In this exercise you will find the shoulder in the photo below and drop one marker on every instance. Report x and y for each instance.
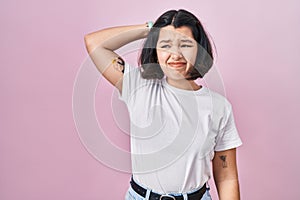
(219, 102)
(219, 98)
(133, 78)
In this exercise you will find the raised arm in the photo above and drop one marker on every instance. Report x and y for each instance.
(225, 175)
(102, 44)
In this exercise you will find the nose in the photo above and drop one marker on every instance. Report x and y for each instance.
(176, 53)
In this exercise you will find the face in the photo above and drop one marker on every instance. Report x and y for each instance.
(176, 51)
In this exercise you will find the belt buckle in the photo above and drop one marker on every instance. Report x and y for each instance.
(167, 196)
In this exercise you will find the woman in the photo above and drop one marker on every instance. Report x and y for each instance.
(177, 126)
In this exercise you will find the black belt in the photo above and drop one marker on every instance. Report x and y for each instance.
(154, 196)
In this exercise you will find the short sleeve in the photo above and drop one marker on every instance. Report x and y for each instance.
(228, 136)
(131, 80)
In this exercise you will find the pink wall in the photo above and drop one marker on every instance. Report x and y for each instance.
(42, 50)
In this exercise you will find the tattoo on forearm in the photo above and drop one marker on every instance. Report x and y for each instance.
(224, 163)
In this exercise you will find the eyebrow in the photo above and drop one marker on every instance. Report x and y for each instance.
(165, 41)
(188, 41)
(169, 41)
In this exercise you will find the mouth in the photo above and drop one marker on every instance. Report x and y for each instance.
(177, 64)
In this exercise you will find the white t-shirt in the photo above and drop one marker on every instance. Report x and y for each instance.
(174, 132)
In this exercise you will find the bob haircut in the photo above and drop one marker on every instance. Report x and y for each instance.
(150, 69)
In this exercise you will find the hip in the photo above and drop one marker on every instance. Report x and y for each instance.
(134, 194)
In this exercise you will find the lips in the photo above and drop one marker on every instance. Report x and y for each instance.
(177, 64)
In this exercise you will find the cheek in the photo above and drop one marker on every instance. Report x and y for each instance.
(190, 55)
(189, 67)
(162, 56)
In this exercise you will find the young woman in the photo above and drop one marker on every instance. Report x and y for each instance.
(177, 126)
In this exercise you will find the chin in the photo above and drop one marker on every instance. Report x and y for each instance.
(175, 76)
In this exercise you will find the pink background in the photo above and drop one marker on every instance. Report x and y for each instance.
(42, 49)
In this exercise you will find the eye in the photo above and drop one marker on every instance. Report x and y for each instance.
(186, 45)
(166, 46)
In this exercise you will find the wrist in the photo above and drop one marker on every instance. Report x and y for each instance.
(145, 28)
(149, 24)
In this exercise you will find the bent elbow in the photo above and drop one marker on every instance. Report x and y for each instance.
(87, 41)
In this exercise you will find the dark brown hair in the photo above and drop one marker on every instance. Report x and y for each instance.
(148, 60)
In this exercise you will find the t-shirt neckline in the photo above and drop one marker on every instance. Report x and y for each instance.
(201, 90)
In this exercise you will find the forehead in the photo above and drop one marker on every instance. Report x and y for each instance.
(169, 32)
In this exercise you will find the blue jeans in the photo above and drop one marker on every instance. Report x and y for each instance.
(132, 195)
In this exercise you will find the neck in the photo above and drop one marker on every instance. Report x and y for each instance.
(184, 84)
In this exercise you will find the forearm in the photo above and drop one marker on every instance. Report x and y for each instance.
(226, 175)
(101, 46)
(115, 37)
(228, 189)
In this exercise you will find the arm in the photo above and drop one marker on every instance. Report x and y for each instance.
(102, 44)
(225, 175)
